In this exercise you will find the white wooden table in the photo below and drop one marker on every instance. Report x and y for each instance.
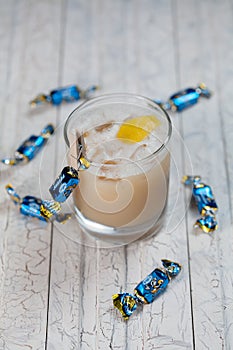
(55, 293)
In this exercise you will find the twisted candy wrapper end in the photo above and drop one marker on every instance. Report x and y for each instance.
(191, 180)
(126, 303)
(204, 91)
(147, 290)
(172, 268)
(39, 99)
(208, 223)
(19, 159)
(84, 94)
(49, 208)
(50, 211)
(62, 218)
(13, 194)
(47, 131)
(83, 163)
(11, 161)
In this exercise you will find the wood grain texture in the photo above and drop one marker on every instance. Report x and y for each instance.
(25, 243)
(223, 57)
(199, 61)
(163, 321)
(55, 291)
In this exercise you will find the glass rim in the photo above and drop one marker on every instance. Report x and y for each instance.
(152, 104)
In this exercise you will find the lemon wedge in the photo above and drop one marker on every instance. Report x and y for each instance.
(138, 128)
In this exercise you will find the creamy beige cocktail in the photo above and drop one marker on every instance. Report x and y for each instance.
(124, 192)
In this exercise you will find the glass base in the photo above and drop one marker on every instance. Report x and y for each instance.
(120, 235)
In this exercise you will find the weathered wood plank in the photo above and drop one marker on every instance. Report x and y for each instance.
(73, 295)
(202, 127)
(167, 323)
(111, 330)
(25, 243)
(223, 54)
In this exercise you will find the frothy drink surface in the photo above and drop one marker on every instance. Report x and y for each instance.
(124, 186)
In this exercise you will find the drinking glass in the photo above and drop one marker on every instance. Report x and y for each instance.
(122, 196)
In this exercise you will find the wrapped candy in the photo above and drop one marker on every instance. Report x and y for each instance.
(68, 179)
(64, 184)
(185, 98)
(69, 93)
(37, 208)
(205, 201)
(147, 290)
(30, 147)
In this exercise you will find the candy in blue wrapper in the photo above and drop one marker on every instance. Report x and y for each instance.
(154, 284)
(185, 98)
(147, 290)
(30, 147)
(30, 206)
(64, 94)
(64, 184)
(204, 198)
(205, 202)
(37, 208)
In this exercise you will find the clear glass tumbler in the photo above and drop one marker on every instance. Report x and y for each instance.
(123, 195)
